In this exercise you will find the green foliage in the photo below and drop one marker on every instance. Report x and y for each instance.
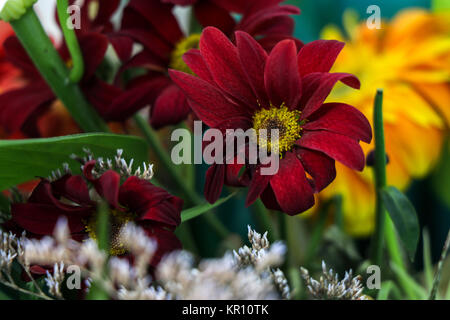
(196, 211)
(404, 216)
(24, 160)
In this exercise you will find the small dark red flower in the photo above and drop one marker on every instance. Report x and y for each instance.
(136, 199)
(152, 24)
(241, 87)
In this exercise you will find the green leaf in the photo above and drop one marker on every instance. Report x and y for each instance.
(404, 216)
(24, 160)
(194, 212)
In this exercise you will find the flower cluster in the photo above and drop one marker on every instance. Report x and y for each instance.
(175, 277)
(130, 197)
(329, 287)
(242, 87)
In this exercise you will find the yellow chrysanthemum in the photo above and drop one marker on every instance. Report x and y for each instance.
(410, 59)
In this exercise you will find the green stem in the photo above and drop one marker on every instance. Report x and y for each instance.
(437, 277)
(264, 220)
(380, 181)
(71, 40)
(384, 228)
(52, 68)
(291, 236)
(191, 196)
(317, 234)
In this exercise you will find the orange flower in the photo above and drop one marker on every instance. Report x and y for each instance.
(410, 59)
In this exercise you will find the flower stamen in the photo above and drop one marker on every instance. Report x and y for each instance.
(176, 60)
(279, 118)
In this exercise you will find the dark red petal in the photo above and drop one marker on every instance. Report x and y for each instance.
(16, 54)
(105, 11)
(18, 105)
(93, 46)
(259, 20)
(151, 41)
(45, 193)
(215, 177)
(133, 99)
(257, 185)
(160, 16)
(283, 25)
(180, 2)
(73, 188)
(270, 41)
(209, 14)
(339, 147)
(318, 56)
(195, 62)
(170, 108)
(238, 6)
(41, 219)
(281, 76)
(317, 86)
(258, 5)
(341, 118)
(101, 95)
(107, 187)
(145, 59)
(253, 61)
(291, 187)
(122, 45)
(269, 199)
(222, 59)
(232, 175)
(150, 202)
(166, 242)
(319, 166)
(210, 104)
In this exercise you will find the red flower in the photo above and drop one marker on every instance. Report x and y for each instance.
(138, 200)
(21, 108)
(243, 87)
(151, 23)
(9, 76)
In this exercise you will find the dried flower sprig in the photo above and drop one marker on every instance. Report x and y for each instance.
(177, 275)
(329, 287)
(119, 164)
(262, 256)
(12, 250)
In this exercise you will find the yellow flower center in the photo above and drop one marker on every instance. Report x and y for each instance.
(176, 60)
(118, 220)
(287, 122)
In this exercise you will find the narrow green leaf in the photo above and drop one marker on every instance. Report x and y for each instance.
(404, 216)
(103, 227)
(385, 290)
(196, 211)
(24, 160)
(96, 292)
(417, 291)
(427, 260)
